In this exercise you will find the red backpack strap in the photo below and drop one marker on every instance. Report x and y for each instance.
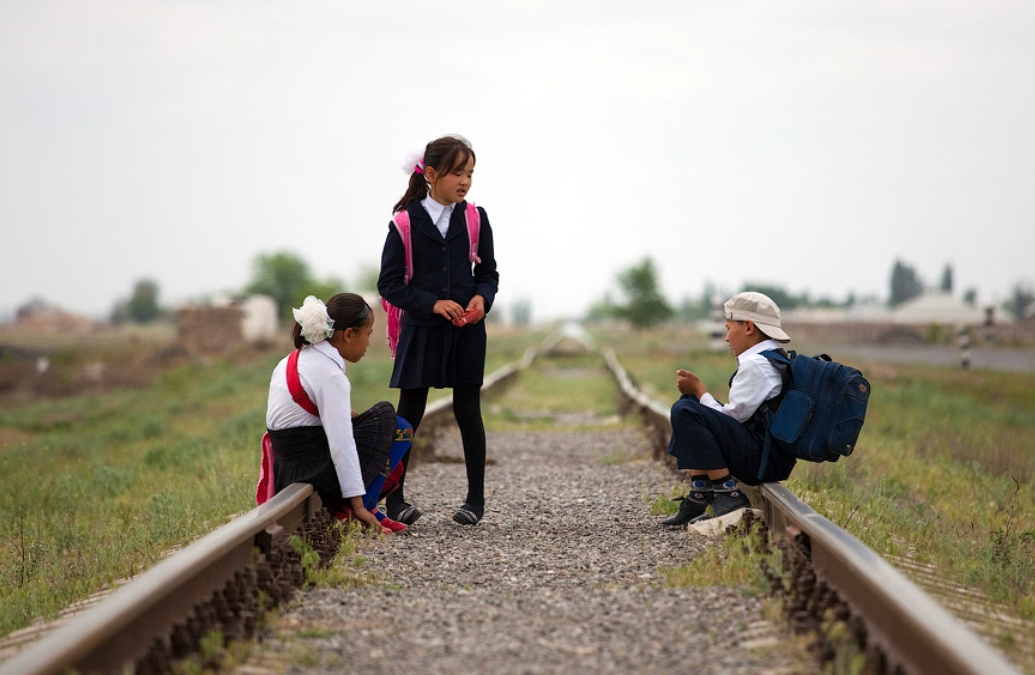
(295, 386)
(474, 228)
(402, 224)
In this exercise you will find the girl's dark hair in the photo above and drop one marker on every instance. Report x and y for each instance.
(347, 310)
(444, 154)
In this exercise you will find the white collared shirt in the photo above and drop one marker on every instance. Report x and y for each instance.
(321, 370)
(440, 213)
(756, 381)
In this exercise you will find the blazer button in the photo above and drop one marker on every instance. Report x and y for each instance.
(445, 269)
(445, 248)
(445, 289)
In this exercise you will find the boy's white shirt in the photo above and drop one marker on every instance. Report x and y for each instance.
(757, 380)
(321, 370)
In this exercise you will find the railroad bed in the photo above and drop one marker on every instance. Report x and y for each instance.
(566, 571)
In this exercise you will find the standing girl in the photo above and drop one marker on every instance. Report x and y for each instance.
(351, 459)
(443, 287)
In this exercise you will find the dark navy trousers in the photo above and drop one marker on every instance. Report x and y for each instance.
(704, 438)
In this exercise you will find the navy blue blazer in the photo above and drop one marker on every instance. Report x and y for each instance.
(441, 268)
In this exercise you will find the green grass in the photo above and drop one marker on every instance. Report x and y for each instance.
(942, 472)
(739, 561)
(95, 488)
(107, 482)
(556, 395)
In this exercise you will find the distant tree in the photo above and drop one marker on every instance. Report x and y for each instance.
(1021, 302)
(946, 284)
(783, 299)
(692, 310)
(521, 312)
(645, 306)
(905, 284)
(603, 309)
(286, 278)
(711, 298)
(366, 280)
(706, 306)
(143, 304)
(970, 297)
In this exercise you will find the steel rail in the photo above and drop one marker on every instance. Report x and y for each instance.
(915, 634)
(911, 632)
(439, 413)
(907, 624)
(112, 635)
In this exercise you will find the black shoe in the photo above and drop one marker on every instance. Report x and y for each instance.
(467, 515)
(727, 499)
(689, 509)
(404, 513)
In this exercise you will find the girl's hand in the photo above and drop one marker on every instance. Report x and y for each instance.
(477, 302)
(449, 309)
(360, 513)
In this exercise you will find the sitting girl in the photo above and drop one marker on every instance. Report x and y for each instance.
(352, 460)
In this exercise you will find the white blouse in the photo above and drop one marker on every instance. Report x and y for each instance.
(321, 370)
(437, 211)
(756, 381)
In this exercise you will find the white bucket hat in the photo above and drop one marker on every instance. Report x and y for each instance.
(758, 308)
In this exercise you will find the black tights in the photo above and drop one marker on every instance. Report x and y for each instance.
(467, 409)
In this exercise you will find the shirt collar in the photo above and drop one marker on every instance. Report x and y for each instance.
(325, 348)
(435, 209)
(758, 349)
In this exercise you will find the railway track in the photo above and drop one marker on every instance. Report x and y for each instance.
(222, 584)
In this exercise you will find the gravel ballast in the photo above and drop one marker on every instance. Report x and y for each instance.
(562, 575)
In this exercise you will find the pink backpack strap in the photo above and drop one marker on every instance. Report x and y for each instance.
(295, 386)
(266, 486)
(474, 228)
(393, 324)
(402, 224)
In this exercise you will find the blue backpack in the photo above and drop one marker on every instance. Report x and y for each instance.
(820, 411)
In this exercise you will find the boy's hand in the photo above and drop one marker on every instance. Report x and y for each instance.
(688, 383)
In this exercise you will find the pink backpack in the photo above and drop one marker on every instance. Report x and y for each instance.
(266, 487)
(402, 224)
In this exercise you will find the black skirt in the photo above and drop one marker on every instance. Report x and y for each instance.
(439, 356)
(303, 455)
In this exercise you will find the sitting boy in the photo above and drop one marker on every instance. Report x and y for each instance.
(717, 442)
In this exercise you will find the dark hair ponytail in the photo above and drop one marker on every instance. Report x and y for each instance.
(347, 310)
(444, 155)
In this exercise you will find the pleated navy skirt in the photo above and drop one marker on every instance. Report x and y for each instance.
(441, 356)
(303, 455)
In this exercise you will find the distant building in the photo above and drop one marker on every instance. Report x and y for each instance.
(940, 308)
(40, 315)
(227, 323)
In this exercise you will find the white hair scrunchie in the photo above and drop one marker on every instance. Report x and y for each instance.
(312, 316)
(414, 161)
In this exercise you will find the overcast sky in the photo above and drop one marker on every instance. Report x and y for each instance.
(802, 143)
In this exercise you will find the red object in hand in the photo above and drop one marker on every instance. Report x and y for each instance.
(470, 316)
